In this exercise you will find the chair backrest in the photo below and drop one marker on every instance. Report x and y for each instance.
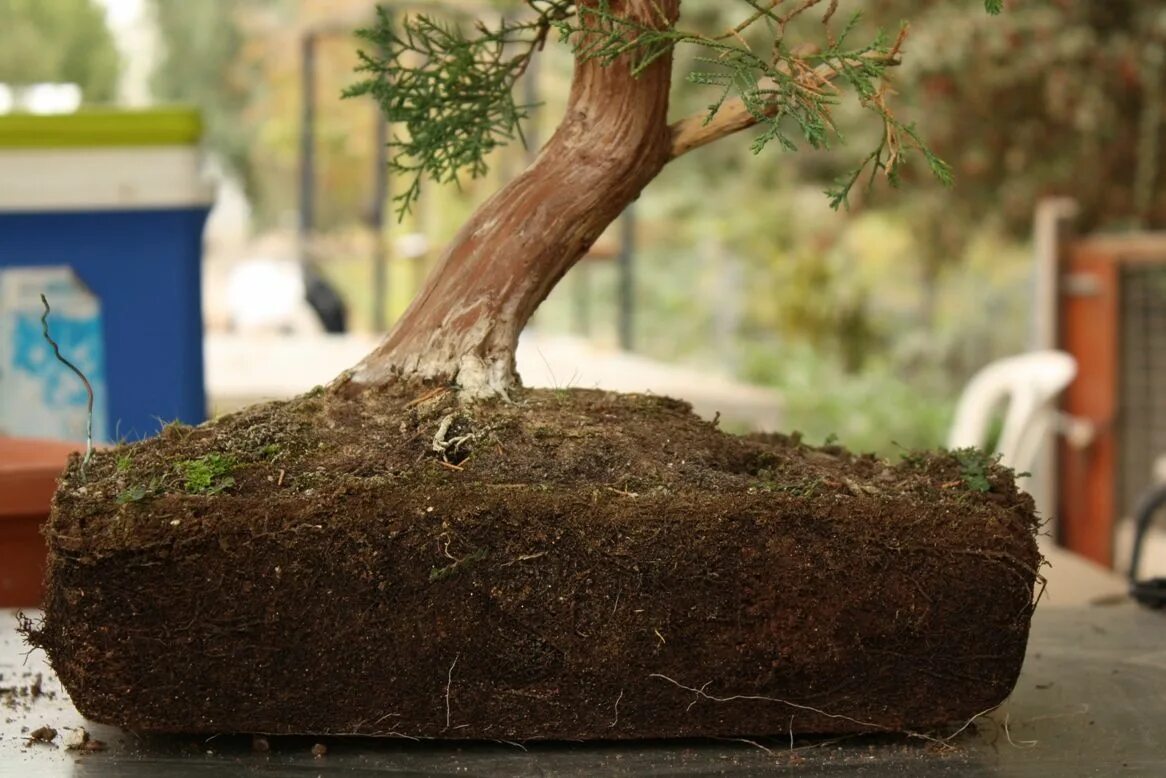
(1029, 383)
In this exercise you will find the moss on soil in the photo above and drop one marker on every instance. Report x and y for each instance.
(574, 440)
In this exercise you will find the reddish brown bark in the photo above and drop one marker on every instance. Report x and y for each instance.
(613, 140)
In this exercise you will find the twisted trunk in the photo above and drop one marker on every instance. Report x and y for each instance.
(464, 325)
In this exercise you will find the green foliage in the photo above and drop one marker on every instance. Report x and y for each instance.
(994, 6)
(452, 89)
(911, 458)
(62, 41)
(209, 474)
(867, 410)
(781, 86)
(975, 467)
(451, 84)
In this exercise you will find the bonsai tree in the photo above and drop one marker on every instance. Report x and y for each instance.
(387, 557)
(452, 90)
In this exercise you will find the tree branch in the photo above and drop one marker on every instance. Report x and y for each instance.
(698, 129)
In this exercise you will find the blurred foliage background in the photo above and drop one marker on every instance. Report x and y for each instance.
(58, 41)
(868, 321)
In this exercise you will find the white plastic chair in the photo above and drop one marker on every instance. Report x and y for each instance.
(1029, 382)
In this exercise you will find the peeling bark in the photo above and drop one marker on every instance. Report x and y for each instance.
(463, 327)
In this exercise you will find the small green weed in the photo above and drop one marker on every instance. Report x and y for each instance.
(139, 492)
(771, 481)
(208, 474)
(135, 493)
(124, 462)
(910, 458)
(974, 468)
(173, 430)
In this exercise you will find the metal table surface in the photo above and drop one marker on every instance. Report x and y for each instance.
(1091, 701)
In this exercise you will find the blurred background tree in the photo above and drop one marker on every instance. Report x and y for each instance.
(239, 62)
(204, 62)
(58, 41)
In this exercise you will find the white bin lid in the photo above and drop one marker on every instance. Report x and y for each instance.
(102, 160)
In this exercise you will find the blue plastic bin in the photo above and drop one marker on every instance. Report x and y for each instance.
(118, 197)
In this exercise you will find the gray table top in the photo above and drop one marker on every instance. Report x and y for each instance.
(1091, 701)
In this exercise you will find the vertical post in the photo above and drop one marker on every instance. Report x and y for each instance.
(1052, 229)
(627, 280)
(581, 297)
(380, 257)
(1149, 133)
(307, 142)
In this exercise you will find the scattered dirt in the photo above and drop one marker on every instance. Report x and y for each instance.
(573, 564)
(20, 696)
(43, 734)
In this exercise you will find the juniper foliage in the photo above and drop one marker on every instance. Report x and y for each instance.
(448, 84)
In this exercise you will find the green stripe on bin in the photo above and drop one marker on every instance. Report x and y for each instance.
(95, 128)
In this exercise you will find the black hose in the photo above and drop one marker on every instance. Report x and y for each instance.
(1150, 592)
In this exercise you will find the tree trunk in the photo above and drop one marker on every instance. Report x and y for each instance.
(464, 325)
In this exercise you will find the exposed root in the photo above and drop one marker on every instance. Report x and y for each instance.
(969, 723)
(523, 558)
(874, 727)
(1008, 735)
(365, 733)
(439, 441)
(44, 323)
(702, 694)
(386, 716)
(432, 394)
(452, 449)
(1006, 561)
(1044, 582)
(615, 710)
(448, 684)
(748, 742)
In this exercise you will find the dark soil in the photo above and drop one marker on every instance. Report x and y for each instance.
(571, 565)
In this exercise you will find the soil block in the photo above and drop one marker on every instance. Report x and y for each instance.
(566, 565)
